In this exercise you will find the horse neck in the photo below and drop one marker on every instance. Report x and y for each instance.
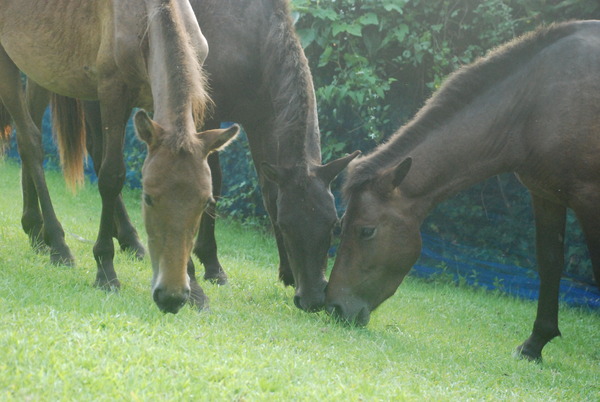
(479, 141)
(175, 54)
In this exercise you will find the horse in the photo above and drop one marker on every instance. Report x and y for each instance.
(144, 53)
(531, 107)
(259, 77)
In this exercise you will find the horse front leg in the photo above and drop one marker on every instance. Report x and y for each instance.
(550, 220)
(270, 190)
(111, 177)
(205, 247)
(123, 231)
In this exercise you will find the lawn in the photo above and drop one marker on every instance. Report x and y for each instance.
(62, 339)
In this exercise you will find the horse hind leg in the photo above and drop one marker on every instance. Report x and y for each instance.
(32, 220)
(550, 220)
(30, 149)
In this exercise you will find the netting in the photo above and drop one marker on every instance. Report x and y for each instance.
(440, 257)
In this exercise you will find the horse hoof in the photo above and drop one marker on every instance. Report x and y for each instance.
(63, 260)
(521, 354)
(287, 279)
(218, 279)
(137, 250)
(112, 285)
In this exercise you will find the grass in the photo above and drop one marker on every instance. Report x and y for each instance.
(62, 339)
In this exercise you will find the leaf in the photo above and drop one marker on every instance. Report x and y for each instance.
(307, 36)
(389, 6)
(401, 31)
(325, 56)
(369, 19)
(352, 29)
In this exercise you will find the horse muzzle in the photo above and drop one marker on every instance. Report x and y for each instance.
(169, 301)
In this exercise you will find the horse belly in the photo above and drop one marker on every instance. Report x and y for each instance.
(58, 50)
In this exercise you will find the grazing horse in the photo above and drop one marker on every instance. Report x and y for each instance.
(531, 107)
(259, 77)
(145, 53)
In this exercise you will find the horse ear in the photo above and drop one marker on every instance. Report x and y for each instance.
(400, 171)
(330, 171)
(215, 140)
(145, 128)
(274, 173)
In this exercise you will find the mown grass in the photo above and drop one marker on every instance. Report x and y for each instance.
(62, 339)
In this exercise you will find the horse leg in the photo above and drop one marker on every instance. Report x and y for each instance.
(111, 177)
(590, 223)
(32, 156)
(550, 220)
(263, 150)
(124, 231)
(205, 247)
(32, 220)
(269, 191)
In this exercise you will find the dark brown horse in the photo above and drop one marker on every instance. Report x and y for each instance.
(259, 77)
(531, 107)
(145, 53)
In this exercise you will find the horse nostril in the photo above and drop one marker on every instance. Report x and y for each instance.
(170, 302)
(335, 310)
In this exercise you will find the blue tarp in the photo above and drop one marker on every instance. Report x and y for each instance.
(519, 281)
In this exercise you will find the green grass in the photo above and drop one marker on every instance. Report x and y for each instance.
(62, 339)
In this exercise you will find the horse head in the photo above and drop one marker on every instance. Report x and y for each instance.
(176, 189)
(380, 242)
(305, 219)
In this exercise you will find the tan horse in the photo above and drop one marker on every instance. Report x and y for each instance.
(532, 107)
(144, 53)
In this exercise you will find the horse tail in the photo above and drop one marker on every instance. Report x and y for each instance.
(5, 127)
(68, 124)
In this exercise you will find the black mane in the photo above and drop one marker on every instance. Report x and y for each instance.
(289, 82)
(460, 89)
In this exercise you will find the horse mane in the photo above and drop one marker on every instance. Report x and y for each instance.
(288, 80)
(458, 91)
(188, 78)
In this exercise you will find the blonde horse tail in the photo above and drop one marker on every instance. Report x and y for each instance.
(5, 127)
(68, 124)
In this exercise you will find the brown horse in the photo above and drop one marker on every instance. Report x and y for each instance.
(259, 77)
(531, 107)
(145, 53)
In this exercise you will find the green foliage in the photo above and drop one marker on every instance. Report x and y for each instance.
(61, 339)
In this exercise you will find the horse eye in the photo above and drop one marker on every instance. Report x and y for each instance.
(147, 199)
(367, 233)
